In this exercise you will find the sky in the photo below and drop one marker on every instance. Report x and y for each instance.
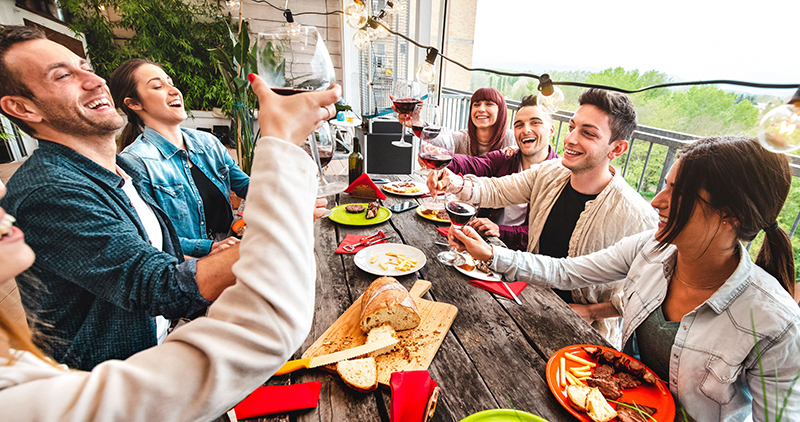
(754, 41)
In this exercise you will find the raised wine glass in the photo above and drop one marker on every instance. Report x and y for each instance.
(293, 59)
(405, 97)
(461, 212)
(436, 150)
(426, 114)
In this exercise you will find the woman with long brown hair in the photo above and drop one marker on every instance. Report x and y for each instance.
(487, 129)
(693, 300)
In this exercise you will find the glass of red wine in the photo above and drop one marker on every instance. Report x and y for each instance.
(461, 209)
(405, 97)
(293, 59)
(436, 150)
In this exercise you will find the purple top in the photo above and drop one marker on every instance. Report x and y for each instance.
(498, 164)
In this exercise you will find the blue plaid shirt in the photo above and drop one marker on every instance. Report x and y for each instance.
(97, 282)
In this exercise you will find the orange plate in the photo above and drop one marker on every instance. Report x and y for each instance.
(657, 396)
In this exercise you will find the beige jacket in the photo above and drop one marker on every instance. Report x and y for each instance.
(209, 365)
(617, 212)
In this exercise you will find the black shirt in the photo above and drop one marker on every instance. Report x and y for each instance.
(219, 215)
(557, 230)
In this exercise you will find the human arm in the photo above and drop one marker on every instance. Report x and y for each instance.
(515, 237)
(491, 192)
(319, 208)
(595, 311)
(195, 247)
(239, 179)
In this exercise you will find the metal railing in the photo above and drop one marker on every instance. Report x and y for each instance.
(455, 111)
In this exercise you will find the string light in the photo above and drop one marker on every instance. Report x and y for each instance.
(361, 40)
(426, 73)
(384, 21)
(356, 14)
(778, 131)
(232, 3)
(550, 96)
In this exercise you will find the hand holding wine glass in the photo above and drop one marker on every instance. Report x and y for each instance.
(436, 150)
(405, 97)
(461, 210)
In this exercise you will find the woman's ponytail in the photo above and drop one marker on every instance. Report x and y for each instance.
(776, 257)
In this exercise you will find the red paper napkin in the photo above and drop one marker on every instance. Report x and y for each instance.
(443, 231)
(411, 392)
(352, 239)
(276, 399)
(498, 288)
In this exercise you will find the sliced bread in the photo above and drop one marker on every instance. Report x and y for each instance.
(387, 301)
(598, 408)
(359, 374)
(379, 332)
(469, 265)
(577, 396)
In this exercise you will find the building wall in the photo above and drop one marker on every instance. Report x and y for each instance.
(460, 36)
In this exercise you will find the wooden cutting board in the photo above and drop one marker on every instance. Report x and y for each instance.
(416, 349)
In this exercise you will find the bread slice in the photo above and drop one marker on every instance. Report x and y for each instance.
(387, 301)
(598, 408)
(359, 374)
(577, 396)
(379, 332)
(469, 265)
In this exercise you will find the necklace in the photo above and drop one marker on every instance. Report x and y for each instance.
(692, 286)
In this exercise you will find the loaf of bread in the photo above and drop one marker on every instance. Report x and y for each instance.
(598, 408)
(379, 332)
(578, 395)
(359, 374)
(387, 302)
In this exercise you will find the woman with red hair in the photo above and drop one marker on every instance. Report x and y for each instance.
(487, 129)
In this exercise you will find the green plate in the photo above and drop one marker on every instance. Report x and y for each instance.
(502, 415)
(340, 215)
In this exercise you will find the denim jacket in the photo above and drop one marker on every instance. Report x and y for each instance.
(97, 282)
(714, 370)
(173, 186)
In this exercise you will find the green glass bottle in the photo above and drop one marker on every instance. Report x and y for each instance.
(355, 161)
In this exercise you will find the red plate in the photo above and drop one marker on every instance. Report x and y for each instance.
(657, 396)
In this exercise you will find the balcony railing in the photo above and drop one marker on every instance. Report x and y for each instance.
(652, 149)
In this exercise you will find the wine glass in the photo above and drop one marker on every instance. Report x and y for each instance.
(436, 150)
(461, 212)
(292, 59)
(426, 114)
(405, 99)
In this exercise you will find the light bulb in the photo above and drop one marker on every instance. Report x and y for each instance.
(551, 103)
(356, 15)
(361, 39)
(383, 23)
(426, 73)
(232, 3)
(293, 29)
(389, 8)
(779, 130)
(372, 33)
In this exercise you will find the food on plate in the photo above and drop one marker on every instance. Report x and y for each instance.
(628, 412)
(400, 261)
(469, 265)
(372, 209)
(359, 374)
(439, 215)
(379, 332)
(483, 266)
(627, 380)
(609, 387)
(442, 215)
(598, 408)
(354, 208)
(402, 187)
(387, 301)
(578, 396)
(621, 364)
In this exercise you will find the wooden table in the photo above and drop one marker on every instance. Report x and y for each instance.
(493, 357)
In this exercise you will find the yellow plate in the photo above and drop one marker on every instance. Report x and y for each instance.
(431, 217)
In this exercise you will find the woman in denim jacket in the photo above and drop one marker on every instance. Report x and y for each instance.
(692, 296)
(191, 172)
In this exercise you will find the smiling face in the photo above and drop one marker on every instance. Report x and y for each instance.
(159, 101)
(68, 98)
(533, 129)
(484, 114)
(586, 146)
(15, 255)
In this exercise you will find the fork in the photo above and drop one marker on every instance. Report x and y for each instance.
(367, 241)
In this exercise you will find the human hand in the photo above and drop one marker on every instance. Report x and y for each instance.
(223, 244)
(292, 118)
(406, 119)
(509, 151)
(438, 180)
(468, 239)
(485, 227)
(319, 208)
(583, 311)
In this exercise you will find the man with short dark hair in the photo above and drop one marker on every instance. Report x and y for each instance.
(533, 128)
(107, 258)
(579, 204)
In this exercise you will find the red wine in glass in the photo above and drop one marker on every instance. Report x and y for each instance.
(418, 130)
(325, 158)
(290, 91)
(405, 105)
(435, 161)
(460, 213)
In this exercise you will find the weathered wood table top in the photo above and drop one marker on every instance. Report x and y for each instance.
(493, 357)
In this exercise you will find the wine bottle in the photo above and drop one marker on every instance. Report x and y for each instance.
(355, 161)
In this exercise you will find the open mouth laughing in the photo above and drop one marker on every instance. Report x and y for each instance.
(571, 153)
(9, 233)
(176, 103)
(98, 104)
(530, 140)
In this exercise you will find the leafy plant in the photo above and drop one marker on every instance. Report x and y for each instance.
(234, 69)
(778, 411)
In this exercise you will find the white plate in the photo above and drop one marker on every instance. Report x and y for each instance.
(480, 275)
(423, 189)
(363, 257)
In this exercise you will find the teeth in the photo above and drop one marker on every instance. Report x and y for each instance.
(5, 224)
(97, 103)
(662, 219)
(175, 103)
(526, 140)
(571, 152)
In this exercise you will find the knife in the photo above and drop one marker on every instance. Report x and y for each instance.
(384, 344)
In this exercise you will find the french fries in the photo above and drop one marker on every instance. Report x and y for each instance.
(400, 261)
(580, 360)
(577, 374)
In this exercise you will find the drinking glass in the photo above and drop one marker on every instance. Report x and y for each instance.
(436, 150)
(461, 212)
(293, 59)
(405, 97)
(425, 115)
